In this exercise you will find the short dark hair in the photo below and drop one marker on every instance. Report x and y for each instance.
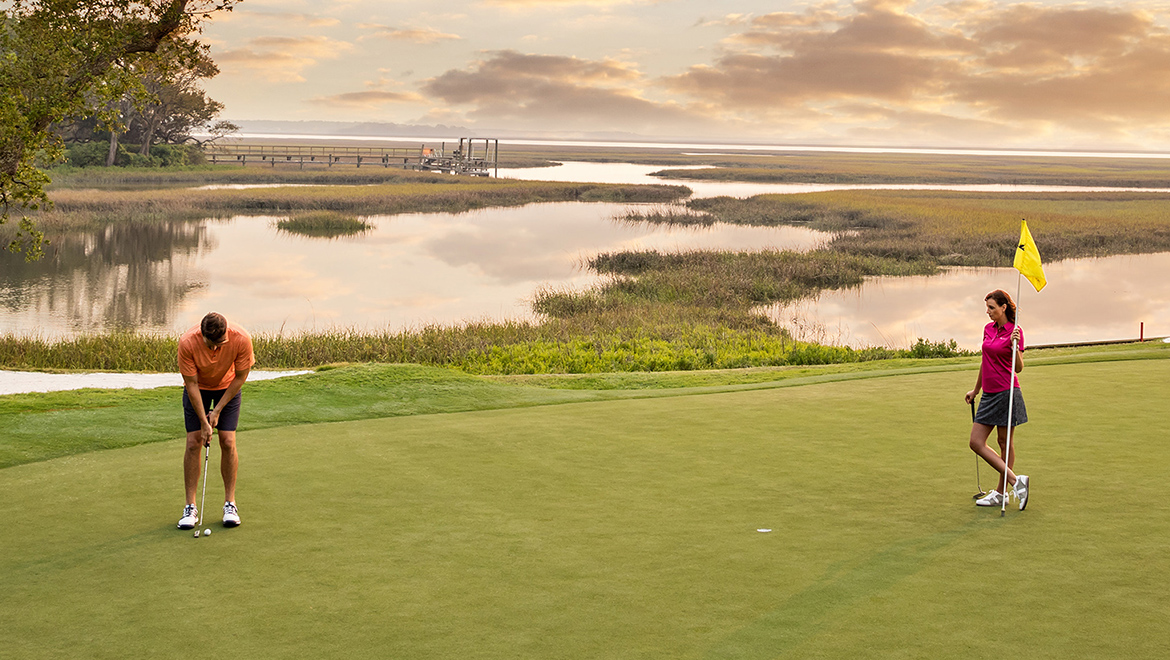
(213, 327)
(1002, 298)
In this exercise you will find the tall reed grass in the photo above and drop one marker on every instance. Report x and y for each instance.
(479, 348)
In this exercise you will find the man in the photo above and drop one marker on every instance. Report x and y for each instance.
(215, 358)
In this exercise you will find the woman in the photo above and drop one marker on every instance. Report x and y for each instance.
(998, 383)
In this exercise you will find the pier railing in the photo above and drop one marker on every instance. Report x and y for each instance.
(473, 156)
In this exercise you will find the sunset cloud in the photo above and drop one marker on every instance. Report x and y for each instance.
(566, 91)
(279, 59)
(367, 99)
(1088, 69)
(893, 71)
(279, 17)
(415, 35)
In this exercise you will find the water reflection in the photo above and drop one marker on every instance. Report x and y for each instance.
(1085, 300)
(408, 270)
(124, 276)
(632, 173)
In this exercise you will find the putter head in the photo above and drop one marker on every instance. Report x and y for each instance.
(978, 495)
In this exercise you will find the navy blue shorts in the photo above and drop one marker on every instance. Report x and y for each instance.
(229, 418)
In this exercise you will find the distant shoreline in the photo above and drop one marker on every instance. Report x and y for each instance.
(652, 144)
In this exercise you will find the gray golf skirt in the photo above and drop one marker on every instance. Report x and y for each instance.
(993, 409)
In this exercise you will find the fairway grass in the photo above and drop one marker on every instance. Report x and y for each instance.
(621, 529)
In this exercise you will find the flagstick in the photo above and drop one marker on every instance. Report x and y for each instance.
(1011, 399)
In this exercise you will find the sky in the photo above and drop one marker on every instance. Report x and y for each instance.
(964, 73)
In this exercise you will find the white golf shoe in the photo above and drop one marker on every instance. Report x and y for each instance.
(231, 517)
(190, 517)
(1021, 489)
(994, 498)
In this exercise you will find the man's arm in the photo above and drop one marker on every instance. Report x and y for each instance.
(191, 384)
(237, 382)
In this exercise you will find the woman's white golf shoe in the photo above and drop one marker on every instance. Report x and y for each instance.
(1021, 489)
(994, 498)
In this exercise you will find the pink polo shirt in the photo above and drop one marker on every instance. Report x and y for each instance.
(997, 357)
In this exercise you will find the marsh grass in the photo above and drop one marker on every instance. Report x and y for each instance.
(951, 228)
(819, 167)
(76, 208)
(323, 224)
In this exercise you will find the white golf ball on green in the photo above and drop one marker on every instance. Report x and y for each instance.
(207, 532)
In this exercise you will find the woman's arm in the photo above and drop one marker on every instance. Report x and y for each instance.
(1017, 339)
(978, 386)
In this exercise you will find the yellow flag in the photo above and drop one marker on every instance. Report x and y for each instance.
(1028, 258)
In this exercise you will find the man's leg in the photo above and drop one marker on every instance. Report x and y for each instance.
(229, 464)
(191, 465)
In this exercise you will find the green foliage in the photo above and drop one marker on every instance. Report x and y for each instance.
(93, 154)
(70, 58)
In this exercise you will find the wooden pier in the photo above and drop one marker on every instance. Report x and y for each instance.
(473, 156)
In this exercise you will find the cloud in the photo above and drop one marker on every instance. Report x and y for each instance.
(1018, 67)
(417, 35)
(555, 91)
(254, 17)
(367, 99)
(280, 59)
(536, 4)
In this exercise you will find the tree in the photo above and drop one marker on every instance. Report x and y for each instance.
(71, 58)
(176, 105)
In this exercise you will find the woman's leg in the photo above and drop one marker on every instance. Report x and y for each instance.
(979, 435)
(1001, 438)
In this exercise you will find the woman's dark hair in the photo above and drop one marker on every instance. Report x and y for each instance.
(1001, 298)
(213, 327)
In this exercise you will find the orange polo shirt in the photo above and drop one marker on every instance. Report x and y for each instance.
(215, 369)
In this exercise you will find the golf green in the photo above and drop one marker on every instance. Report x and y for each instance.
(621, 529)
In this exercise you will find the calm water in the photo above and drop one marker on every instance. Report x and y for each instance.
(419, 269)
(634, 173)
(410, 270)
(1085, 300)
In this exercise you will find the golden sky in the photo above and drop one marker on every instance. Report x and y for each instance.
(1084, 75)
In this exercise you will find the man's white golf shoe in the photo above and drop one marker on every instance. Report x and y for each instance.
(190, 517)
(231, 517)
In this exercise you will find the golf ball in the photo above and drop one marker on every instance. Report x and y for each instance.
(207, 532)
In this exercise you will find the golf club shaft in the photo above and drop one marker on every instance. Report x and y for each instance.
(206, 455)
(978, 479)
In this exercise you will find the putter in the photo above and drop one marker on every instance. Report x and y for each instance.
(978, 480)
(206, 455)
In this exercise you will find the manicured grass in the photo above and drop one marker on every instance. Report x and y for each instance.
(622, 528)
